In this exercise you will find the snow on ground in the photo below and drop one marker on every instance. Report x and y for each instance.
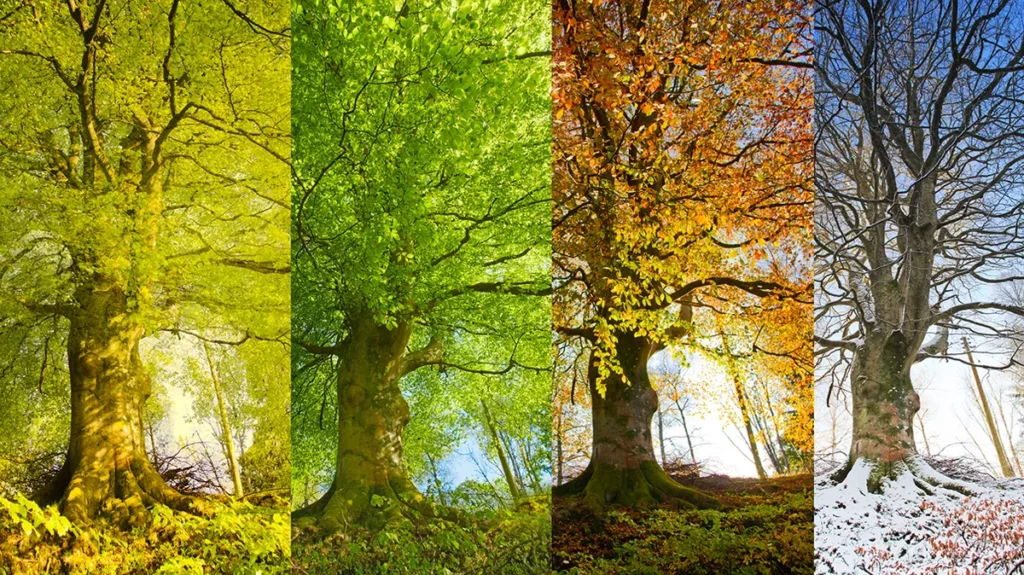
(907, 531)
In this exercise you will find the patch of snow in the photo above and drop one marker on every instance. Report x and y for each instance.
(906, 530)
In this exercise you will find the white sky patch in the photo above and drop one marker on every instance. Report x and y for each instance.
(178, 426)
(720, 446)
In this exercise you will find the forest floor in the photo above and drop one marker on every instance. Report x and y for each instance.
(764, 527)
(230, 537)
(503, 542)
(905, 530)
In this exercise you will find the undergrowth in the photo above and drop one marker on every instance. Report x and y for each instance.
(234, 537)
(764, 528)
(505, 542)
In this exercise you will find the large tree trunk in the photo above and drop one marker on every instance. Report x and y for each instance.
(106, 467)
(622, 468)
(884, 402)
(884, 406)
(371, 486)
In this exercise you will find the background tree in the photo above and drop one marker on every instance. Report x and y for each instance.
(676, 404)
(570, 411)
(682, 148)
(769, 385)
(918, 182)
(142, 150)
(421, 233)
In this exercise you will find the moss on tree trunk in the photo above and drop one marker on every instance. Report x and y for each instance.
(884, 407)
(371, 486)
(622, 468)
(106, 469)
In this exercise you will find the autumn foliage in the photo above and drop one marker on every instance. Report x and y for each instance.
(682, 182)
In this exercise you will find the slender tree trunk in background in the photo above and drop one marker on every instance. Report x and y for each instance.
(623, 469)
(152, 442)
(436, 477)
(225, 426)
(783, 457)
(924, 438)
(107, 460)
(513, 486)
(741, 399)
(993, 430)
(751, 438)
(686, 430)
(510, 452)
(1009, 439)
(531, 470)
(661, 436)
(769, 446)
(559, 458)
(213, 468)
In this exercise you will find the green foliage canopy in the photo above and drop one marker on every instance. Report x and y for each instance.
(145, 143)
(421, 197)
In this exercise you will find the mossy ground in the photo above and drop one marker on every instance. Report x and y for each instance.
(505, 542)
(231, 537)
(763, 528)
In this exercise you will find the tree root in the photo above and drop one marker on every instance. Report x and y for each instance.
(135, 490)
(878, 476)
(395, 502)
(648, 484)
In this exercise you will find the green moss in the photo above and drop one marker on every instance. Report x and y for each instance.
(665, 484)
(767, 531)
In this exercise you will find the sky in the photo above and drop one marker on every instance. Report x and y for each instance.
(718, 444)
(179, 426)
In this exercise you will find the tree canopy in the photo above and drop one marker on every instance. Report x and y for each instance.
(421, 204)
(143, 152)
(682, 181)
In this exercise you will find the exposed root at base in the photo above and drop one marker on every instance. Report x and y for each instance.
(397, 501)
(133, 492)
(878, 477)
(648, 484)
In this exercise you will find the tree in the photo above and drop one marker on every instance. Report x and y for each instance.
(225, 425)
(421, 230)
(672, 387)
(570, 411)
(768, 369)
(682, 168)
(918, 154)
(143, 153)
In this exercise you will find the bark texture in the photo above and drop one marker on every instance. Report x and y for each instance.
(623, 469)
(106, 469)
(371, 486)
(884, 400)
(884, 406)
